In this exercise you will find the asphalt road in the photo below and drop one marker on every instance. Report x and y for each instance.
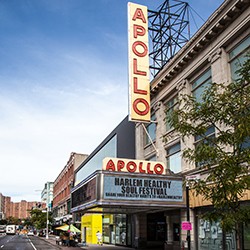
(24, 242)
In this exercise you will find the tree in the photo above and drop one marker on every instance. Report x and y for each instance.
(39, 218)
(3, 222)
(224, 158)
(12, 220)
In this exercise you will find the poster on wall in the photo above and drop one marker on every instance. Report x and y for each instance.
(142, 188)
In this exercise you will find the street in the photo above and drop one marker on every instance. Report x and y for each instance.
(24, 242)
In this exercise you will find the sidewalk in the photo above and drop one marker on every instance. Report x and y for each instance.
(105, 247)
(52, 241)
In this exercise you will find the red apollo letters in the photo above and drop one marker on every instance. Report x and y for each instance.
(139, 64)
(131, 166)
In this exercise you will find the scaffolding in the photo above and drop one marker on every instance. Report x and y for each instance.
(169, 30)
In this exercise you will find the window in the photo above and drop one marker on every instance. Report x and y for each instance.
(204, 139)
(95, 163)
(199, 85)
(171, 105)
(174, 158)
(210, 236)
(237, 56)
(246, 143)
(151, 129)
(152, 158)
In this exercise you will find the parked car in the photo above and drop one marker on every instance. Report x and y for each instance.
(30, 233)
(2, 228)
(41, 233)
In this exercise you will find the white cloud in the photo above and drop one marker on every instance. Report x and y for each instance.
(44, 121)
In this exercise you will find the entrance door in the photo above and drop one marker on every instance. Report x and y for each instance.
(112, 234)
(176, 231)
(84, 234)
(120, 229)
(156, 227)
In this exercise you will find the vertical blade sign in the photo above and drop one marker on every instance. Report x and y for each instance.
(139, 86)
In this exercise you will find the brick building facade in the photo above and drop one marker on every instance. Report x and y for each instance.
(62, 188)
(19, 210)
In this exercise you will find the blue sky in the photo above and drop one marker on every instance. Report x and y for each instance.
(63, 80)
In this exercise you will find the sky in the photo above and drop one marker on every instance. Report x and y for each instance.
(63, 83)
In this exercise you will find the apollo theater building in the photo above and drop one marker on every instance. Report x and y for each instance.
(131, 201)
(124, 198)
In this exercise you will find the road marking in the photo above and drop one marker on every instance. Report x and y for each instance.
(2, 246)
(32, 244)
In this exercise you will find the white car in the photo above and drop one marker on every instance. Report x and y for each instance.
(30, 233)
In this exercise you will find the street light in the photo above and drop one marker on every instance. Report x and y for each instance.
(47, 209)
(47, 217)
(188, 216)
(194, 177)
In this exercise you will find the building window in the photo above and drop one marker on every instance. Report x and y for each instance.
(199, 85)
(151, 131)
(152, 158)
(238, 56)
(174, 158)
(95, 163)
(210, 236)
(246, 143)
(204, 139)
(171, 105)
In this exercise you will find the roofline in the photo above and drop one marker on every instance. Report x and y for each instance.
(215, 24)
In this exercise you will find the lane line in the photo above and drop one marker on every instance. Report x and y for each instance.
(32, 244)
(2, 246)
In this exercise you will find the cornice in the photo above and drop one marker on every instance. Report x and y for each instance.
(218, 22)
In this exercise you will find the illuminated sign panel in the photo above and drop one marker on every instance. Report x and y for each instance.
(133, 166)
(139, 85)
(142, 188)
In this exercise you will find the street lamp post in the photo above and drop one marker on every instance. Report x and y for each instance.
(47, 210)
(188, 216)
(47, 217)
(195, 177)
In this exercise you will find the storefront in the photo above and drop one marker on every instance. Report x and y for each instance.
(210, 234)
(125, 201)
(132, 197)
(117, 229)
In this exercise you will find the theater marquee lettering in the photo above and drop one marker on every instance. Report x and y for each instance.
(139, 83)
(132, 188)
(134, 166)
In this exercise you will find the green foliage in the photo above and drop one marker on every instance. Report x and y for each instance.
(39, 218)
(3, 222)
(224, 158)
(13, 220)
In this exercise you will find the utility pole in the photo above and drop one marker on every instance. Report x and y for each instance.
(188, 217)
(47, 207)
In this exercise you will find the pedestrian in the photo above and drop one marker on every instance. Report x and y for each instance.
(99, 238)
(123, 237)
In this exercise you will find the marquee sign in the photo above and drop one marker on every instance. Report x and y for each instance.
(139, 85)
(133, 166)
(142, 188)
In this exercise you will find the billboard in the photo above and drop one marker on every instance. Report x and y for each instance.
(139, 83)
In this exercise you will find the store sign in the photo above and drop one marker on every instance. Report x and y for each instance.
(186, 225)
(139, 85)
(133, 166)
(140, 188)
